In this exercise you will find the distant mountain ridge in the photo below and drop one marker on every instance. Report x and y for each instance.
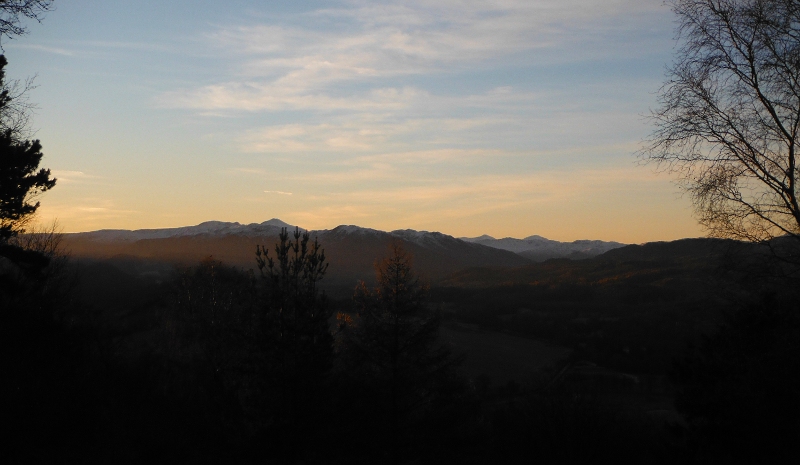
(219, 228)
(537, 248)
(351, 251)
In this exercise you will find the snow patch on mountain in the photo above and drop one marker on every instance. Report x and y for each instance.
(424, 238)
(278, 223)
(348, 229)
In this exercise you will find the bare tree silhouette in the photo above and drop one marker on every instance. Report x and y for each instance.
(729, 116)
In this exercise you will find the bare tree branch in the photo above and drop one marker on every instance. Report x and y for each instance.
(13, 12)
(729, 116)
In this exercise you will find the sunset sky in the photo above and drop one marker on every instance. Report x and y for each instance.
(508, 118)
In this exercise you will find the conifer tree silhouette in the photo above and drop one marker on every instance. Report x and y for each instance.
(393, 348)
(296, 335)
(21, 180)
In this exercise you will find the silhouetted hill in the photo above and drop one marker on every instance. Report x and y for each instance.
(659, 268)
(631, 309)
(683, 259)
(695, 249)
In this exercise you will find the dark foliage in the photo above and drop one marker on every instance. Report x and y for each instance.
(296, 339)
(200, 368)
(632, 309)
(394, 361)
(213, 311)
(295, 313)
(45, 397)
(254, 356)
(739, 387)
(21, 180)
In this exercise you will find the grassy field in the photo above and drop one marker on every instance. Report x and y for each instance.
(502, 357)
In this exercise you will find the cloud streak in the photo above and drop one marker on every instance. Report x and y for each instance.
(73, 177)
(296, 67)
(433, 201)
(44, 48)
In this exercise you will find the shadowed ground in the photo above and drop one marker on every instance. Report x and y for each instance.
(502, 357)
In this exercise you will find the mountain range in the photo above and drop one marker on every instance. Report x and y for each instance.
(538, 249)
(535, 248)
(351, 250)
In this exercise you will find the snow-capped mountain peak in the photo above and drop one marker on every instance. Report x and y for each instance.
(278, 223)
(343, 229)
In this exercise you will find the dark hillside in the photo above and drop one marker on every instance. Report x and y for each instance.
(631, 309)
(691, 249)
(646, 263)
(548, 348)
(351, 253)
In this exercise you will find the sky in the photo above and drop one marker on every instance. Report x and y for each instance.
(508, 118)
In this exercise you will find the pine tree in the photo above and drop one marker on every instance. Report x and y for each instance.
(393, 350)
(296, 334)
(21, 180)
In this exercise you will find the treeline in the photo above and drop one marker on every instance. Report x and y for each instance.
(723, 333)
(220, 365)
(633, 309)
(640, 335)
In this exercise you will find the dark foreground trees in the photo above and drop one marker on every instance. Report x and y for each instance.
(43, 393)
(729, 116)
(268, 347)
(395, 361)
(22, 268)
(295, 315)
(256, 354)
(20, 182)
(296, 342)
(21, 179)
(728, 125)
(739, 387)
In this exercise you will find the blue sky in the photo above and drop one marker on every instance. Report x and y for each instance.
(507, 118)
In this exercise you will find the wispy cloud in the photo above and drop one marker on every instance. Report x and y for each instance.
(44, 48)
(356, 134)
(91, 212)
(259, 96)
(294, 67)
(431, 201)
(248, 171)
(498, 190)
(96, 48)
(278, 192)
(138, 46)
(71, 176)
